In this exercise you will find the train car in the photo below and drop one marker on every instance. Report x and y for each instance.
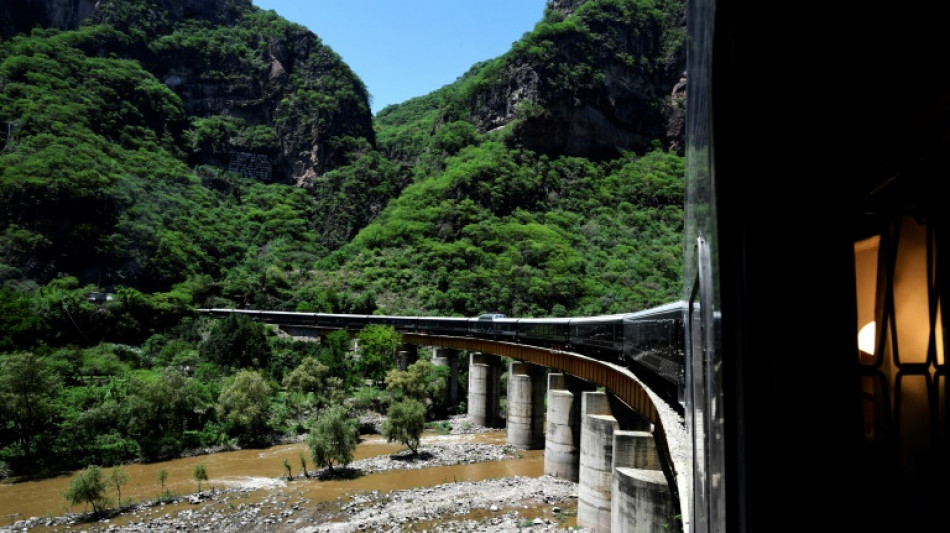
(400, 323)
(337, 321)
(654, 342)
(598, 336)
(552, 332)
(282, 318)
(217, 313)
(434, 325)
(493, 326)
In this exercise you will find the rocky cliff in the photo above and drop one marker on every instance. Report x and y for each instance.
(256, 87)
(594, 78)
(20, 16)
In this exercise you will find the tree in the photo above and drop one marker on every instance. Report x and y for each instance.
(336, 355)
(88, 487)
(303, 465)
(162, 478)
(378, 346)
(164, 409)
(20, 324)
(333, 438)
(405, 422)
(27, 389)
(117, 477)
(313, 377)
(244, 404)
(237, 342)
(200, 473)
(422, 380)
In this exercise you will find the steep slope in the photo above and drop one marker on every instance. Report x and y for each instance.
(592, 79)
(278, 103)
(136, 120)
(183, 153)
(547, 181)
(509, 195)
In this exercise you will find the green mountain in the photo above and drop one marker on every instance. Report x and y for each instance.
(209, 153)
(162, 155)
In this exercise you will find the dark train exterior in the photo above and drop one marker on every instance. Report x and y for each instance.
(650, 342)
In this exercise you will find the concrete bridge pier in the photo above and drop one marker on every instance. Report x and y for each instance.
(406, 355)
(562, 439)
(483, 389)
(450, 358)
(525, 421)
(595, 475)
(641, 500)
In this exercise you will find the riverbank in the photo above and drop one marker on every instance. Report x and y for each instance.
(282, 505)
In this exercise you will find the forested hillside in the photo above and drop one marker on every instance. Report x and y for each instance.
(180, 154)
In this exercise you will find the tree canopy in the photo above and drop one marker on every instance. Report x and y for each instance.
(333, 438)
(405, 422)
(377, 345)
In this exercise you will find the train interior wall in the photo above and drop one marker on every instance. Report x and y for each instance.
(815, 109)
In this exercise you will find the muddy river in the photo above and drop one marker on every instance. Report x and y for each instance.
(260, 473)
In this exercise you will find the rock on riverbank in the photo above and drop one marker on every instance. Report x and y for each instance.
(508, 504)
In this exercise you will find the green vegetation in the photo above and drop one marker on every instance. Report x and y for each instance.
(333, 438)
(244, 407)
(119, 217)
(303, 465)
(89, 488)
(162, 478)
(117, 477)
(423, 382)
(405, 422)
(378, 346)
(200, 473)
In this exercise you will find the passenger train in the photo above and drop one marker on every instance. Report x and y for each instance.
(649, 342)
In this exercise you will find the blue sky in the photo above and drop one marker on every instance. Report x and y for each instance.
(407, 48)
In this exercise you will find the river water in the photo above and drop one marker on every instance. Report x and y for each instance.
(259, 472)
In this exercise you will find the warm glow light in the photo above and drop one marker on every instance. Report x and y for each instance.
(866, 338)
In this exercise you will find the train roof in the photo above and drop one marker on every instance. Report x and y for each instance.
(672, 309)
(600, 318)
(553, 320)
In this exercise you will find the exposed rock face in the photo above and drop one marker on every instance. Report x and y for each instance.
(633, 95)
(263, 88)
(20, 16)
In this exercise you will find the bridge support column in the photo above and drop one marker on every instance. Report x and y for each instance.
(483, 396)
(640, 496)
(562, 439)
(596, 462)
(407, 354)
(450, 358)
(525, 425)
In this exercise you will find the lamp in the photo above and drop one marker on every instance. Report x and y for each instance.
(900, 345)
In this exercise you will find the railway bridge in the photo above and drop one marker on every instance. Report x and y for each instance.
(599, 424)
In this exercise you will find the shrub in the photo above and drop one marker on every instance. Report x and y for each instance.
(88, 487)
(405, 422)
(333, 438)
